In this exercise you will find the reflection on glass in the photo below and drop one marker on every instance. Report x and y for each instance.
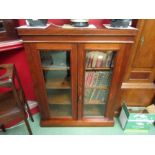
(98, 75)
(56, 70)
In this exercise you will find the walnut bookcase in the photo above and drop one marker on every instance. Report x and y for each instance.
(77, 73)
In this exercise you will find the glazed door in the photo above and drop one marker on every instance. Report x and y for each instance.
(99, 79)
(58, 83)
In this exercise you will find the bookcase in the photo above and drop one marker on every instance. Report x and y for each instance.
(77, 73)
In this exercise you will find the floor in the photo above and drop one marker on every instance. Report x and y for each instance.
(37, 130)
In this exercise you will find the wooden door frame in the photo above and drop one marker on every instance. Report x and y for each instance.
(38, 79)
(120, 64)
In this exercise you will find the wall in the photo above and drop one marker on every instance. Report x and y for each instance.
(66, 21)
(18, 57)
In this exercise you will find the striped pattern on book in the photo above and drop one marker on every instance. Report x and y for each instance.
(98, 59)
(96, 96)
(97, 86)
(97, 79)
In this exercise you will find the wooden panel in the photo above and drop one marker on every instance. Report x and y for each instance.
(145, 52)
(85, 122)
(78, 39)
(52, 30)
(142, 54)
(59, 98)
(139, 75)
(138, 85)
(138, 97)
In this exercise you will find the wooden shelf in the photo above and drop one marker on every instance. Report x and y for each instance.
(57, 84)
(98, 87)
(99, 69)
(94, 110)
(59, 98)
(55, 68)
(60, 110)
(93, 102)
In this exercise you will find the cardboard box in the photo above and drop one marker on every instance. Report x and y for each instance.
(136, 118)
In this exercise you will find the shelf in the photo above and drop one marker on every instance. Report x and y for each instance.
(55, 68)
(99, 87)
(57, 84)
(99, 69)
(93, 102)
(94, 110)
(59, 98)
(60, 110)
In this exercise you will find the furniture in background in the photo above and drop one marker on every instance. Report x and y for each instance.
(138, 88)
(77, 73)
(13, 103)
(8, 30)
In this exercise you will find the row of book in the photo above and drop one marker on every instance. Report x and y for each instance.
(97, 59)
(96, 96)
(98, 79)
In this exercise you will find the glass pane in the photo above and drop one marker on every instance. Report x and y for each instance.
(56, 70)
(98, 75)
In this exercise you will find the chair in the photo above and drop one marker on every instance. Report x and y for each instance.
(13, 103)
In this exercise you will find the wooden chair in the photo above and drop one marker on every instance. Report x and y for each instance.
(12, 102)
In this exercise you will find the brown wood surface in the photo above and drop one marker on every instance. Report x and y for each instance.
(98, 69)
(139, 80)
(52, 30)
(138, 97)
(85, 122)
(59, 98)
(57, 84)
(145, 48)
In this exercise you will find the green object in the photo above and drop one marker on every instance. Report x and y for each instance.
(135, 118)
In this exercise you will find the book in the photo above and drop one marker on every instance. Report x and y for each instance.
(95, 56)
(99, 59)
(109, 58)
